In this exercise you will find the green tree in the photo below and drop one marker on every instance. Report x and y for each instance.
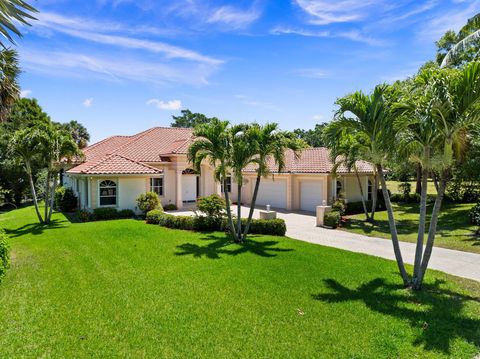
(11, 13)
(9, 88)
(313, 137)
(188, 119)
(78, 132)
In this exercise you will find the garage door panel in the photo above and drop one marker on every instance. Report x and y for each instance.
(273, 193)
(311, 195)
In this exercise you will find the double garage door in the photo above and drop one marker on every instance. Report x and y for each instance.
(274, 193)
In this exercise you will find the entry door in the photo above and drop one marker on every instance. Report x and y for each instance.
(189, 188)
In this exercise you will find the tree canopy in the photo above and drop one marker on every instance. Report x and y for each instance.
(188, 119)
(313, 137)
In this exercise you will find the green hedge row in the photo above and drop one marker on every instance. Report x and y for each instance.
(103, 214)
(276, 227)
(4, 253)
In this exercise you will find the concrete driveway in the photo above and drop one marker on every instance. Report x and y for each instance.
(302, 226)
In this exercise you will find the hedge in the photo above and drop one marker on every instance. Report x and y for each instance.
(153, 217)
(276, 227)
(4, 253)
(332, 219)
(102, 214)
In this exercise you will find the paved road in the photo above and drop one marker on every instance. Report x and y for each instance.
(301, 226)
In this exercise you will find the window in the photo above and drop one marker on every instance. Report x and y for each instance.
(156, 185)
(369, 190)
(339, 189)
(229, 185)
(108, 193)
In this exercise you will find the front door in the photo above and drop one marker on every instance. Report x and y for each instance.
(189, 188)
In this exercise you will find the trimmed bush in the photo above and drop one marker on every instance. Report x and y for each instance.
(405, 188)
(176, 222)
(332, 219)
(148, 202)
(65, 200)
(153, 217)
(401, 198)
(212, 206)
(274, 227)
(4, 253)
(126, 213)
(105, 213)
(474, 215)
(339, 206)
(170, 207)
(84, 216)
(207, 224)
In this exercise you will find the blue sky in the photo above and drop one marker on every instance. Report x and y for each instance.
(122, 66)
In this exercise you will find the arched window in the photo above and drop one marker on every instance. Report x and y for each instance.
(369, 190)
(108, 193)
(339, 189)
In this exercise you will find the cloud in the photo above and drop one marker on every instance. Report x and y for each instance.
(249, 101)
(168, 105)
(312, 73)
(88, 102)
(25, 93)
(77, 64)
(317, 117)
(234, 18)
(353, 35)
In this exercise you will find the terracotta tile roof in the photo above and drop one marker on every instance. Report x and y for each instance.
(114, 164)
(129, 154)
(311, 160)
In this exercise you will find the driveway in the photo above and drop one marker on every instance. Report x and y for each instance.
(302, 226)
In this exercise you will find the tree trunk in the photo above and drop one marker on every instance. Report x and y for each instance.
(252, 206)
(432, 231)
(34, 193)
(229, 211)
(239, 212)
(52, 198)
(421, 226)
(47, 196)
(393, 229)
(361, 193)
(418, 188)
(435, 180)
(374, 196)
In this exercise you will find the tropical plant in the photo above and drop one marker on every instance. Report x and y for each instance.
(13, 12)
(269, 144)
(9, 88)
(188, 119)
(213, 206)
(78, 132)
(313, 137)
(148, 201)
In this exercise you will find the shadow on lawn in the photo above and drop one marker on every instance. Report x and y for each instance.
(35, 228)
(219, 245)
(436, 312)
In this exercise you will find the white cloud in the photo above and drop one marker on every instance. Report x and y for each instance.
(317, 117)
(233, 17)
(353, 35)
(88, 102)
(249, 101)
(324, 12)
(168, 105)
(25, 93)
(312, 73)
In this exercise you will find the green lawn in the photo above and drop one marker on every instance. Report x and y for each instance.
(393, 187)
(454, 228)
(127, 289)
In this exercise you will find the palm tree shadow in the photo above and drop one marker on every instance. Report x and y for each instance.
(35, 228)
(436, 311)
(221, 245)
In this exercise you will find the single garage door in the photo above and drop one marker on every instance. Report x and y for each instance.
(311, 195)
(273, 193)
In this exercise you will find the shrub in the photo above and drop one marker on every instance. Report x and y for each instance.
(474, 215)
(65, 200)
(170, 207)
(126, 213)
(153, 217)
(401, 198)
(405, 188)
(4, 253)
(274, 227)
(176, 222)
(357, 207)
(85, 216)
(332, 219)
(212, 206)
(339, 206)
(105, 213)
(207, 224)
(148, 202)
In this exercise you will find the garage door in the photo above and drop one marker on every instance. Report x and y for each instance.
(273, 193)
(311, 195)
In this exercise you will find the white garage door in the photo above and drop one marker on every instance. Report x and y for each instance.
(273, 193)
(311, 195)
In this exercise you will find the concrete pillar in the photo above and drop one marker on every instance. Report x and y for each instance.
(289, 192)
(321, 210)
(179, 200)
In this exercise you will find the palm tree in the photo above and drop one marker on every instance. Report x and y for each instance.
(455, 109)
(345, 150)
(269, 144)
(369, 117)
(9, 88)
(213, 143)
(79, 133)
(11, 12)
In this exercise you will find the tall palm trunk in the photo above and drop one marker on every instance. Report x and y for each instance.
(32, 188)
(229, 211)
(418, 187)
(239, 212)
(432, 231)
(52, 197)
(393, 228)
(47, 195)
(374, 196)
(421, 226)
(252, 206)
(367, 217)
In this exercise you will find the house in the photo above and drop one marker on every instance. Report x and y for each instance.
(117, 170)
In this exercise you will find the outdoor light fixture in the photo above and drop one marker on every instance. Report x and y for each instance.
(268, 208)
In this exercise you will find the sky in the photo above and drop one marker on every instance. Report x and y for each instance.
(123, 66)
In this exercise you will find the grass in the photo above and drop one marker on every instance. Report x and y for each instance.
(393, 187)
(126, 289)
(454, 228)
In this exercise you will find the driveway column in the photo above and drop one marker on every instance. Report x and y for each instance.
(179, 200)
